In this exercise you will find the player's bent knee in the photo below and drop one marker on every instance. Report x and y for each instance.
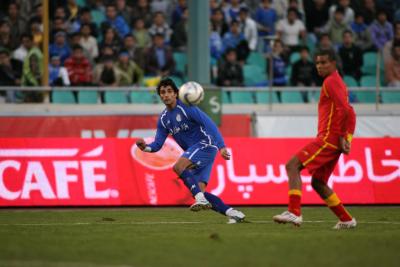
(317, 185)
(293, 165)
(178, 169)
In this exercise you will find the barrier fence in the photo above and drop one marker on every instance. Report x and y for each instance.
(113, 172)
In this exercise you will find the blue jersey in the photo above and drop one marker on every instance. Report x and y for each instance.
(188, 125)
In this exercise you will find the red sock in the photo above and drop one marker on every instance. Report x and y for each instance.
(337, 207)
(295, 202)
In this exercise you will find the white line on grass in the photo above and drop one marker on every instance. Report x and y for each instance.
(169, 222)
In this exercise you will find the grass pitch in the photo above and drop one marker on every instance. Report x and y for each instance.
(177, 237)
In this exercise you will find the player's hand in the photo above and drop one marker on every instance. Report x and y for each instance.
(225, 154)
(344, 145)
(141, 144)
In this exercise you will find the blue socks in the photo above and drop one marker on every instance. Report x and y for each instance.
(190, 182)
(217, 204)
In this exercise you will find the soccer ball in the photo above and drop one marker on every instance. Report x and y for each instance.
(191, 93)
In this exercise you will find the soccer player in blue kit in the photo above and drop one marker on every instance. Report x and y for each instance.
(200, 138)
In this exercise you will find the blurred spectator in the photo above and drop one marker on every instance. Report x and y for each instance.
(337, 26)
(73, 10)
(249, 28)
(5, 36)
(10, 69)
(17, 23)
(107, 51)
(135, 53)
(216, 45)
(300, 12)
(85, 17)
(141, 34)
(179, 35)
(279, 67)
(179, 9)
(105, 73)
(387, 49)
(60, 47)
(348, 11)
(142, 11)
(317, 16)
(32, 72)
(111, 39)
(351, 56)
(381, 30)
(235, 39)
(115, 21)
(124, 11)
(162, 6)
(58, 25)
(36, 30)
(58, 75)
(392, 66)
(266, 18)
(10, 73)
(324, 43)
(290, 30)
(369, 11)
(130, 73)
(159, 26)
(230, 72)
(22, 51)
(159, 60)
(232, 11)
(218, 22)
(88, 42)
(302, 72)
(362, 36)
(79, 69)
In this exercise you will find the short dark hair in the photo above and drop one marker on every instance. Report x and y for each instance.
(327, 52)
(77, 47)
(347, 31)
(167, 82)
(304, 48)
(340, 10)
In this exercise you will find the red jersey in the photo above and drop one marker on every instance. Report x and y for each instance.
(335, 115)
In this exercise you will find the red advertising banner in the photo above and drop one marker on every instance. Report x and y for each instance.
(102, 126)
(110, 171)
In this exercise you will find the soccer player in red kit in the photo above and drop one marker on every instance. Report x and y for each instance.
(336, 123)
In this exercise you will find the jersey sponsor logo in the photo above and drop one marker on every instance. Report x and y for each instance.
(178, 118)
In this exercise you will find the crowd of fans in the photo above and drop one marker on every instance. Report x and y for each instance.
(120, 42)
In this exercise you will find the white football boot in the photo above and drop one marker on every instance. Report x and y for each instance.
(346, 225)
(288, 217)
(201, 203)
(235, 216)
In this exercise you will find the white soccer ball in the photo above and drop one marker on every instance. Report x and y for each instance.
(191, 93)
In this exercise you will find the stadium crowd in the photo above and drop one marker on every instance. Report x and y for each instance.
(131, 42)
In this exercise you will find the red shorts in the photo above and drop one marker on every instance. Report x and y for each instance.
(319, 158)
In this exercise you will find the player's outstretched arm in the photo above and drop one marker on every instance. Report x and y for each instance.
(225, 154)
(141, 144)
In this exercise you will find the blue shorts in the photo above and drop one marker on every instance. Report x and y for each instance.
(202, 155)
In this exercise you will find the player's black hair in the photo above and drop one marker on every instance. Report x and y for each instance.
(327, 52)
(167, 82)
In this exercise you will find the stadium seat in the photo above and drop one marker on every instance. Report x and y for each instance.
(369, 65)
(366, 96)
(262, 97)
(115, 97)
(63, 97)
(145, 97)
(225, 97)
(257, 59)
(313, 96)
(180, 61)
(254, 76)
(350, 81)
(87, 97)
(242, 97)
(81, 3)
(291, 97)
(390, 97)
(294, 57)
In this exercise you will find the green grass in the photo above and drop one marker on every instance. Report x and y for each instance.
(136, 237)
